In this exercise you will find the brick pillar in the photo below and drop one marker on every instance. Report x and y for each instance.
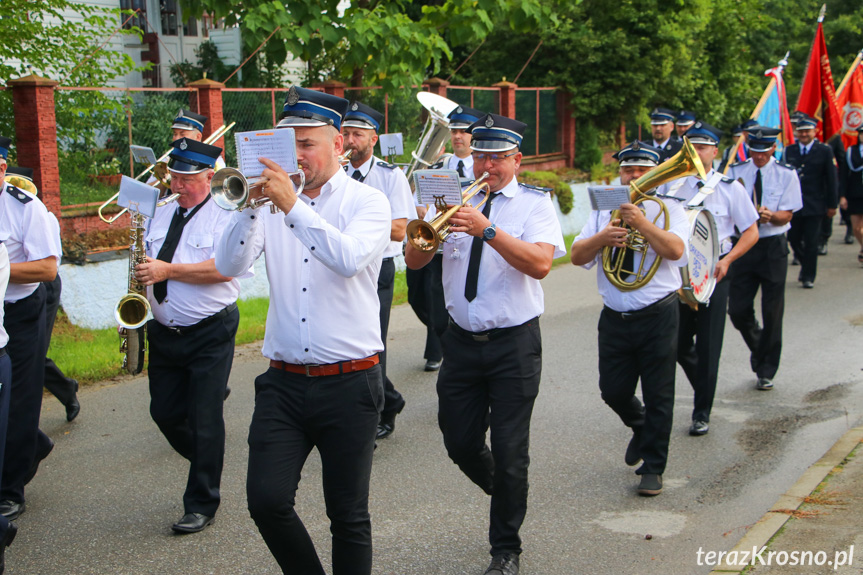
(567, 126)
(622, 137)
(36, 135)
(334, 87)
(207, 100)
(507, 98)
(436, 86)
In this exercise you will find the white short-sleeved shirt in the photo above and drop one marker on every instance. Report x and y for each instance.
(27, 231)
(393, 183)
(452, 164)
(505, 296)
(729, 203)
(780, 190)
(4, 283)
(323, 262)
(667, 277)
(58, 245)
(187, 304)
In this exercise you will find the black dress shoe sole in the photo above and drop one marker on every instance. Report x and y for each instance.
(177, 528)
(16, 514)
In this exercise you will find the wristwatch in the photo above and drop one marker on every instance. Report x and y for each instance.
(489, 233)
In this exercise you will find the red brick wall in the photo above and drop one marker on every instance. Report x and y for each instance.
(208, 101)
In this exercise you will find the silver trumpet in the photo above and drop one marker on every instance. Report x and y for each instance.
(232, 191)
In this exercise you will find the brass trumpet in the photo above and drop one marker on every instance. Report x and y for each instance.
(232, 191)
(427, 236)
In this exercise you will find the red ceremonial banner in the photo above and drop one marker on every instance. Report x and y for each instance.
(851, 107)
(817, 94)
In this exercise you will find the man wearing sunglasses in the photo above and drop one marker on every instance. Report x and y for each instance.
(492, 264)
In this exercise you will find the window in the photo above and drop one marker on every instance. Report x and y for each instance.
(190, 27)
(168, 9)
(139, 19)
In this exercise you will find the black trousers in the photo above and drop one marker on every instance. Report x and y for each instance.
(25, 323)
(425, 295)
(641, 345)
(393, 400)
(699, 347)
(62, 387)
(338, 414)
(804, 237)
(764, 266)
(826, 229)
(492, 385)
(188, 374)
(5, 394)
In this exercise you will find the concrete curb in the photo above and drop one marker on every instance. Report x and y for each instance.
(763, 531)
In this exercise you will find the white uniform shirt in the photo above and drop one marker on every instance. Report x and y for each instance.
(667, 277)
(187, 304)
(4, 282)
(729, 203)
(27, 231)
(323, 262)
(55, 236)
(780, 190)
(505, 296)
(394, 185)
(452, 164)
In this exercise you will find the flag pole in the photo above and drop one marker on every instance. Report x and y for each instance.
(850, 73)
(758, 107)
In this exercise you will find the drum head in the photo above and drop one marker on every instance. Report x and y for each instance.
(703, 255)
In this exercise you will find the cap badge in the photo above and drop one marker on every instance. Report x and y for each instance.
(183, 144)
(180, 113)
(697, 125)
(759, 134)
(293, 96)
(355, 107)
(635, 146)
(459, 110)
(489, 122)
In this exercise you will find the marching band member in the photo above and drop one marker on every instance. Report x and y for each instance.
(731, 208)
(323, 388)
(638, 329)
(775, 192)
(852, 195)
(189, 125)
(26, 230)
(816, 168)
(8, 530)
(461, 160)
(683, 121)
(360, 132)
(662, 126)
(191, 335)
(493, 349)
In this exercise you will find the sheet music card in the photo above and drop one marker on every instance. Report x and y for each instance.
(277, 145)
(138, 197)
(391, 144)
(143, 155)
(434, 185)
(608, 197)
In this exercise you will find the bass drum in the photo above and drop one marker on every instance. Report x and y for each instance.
(698, 274)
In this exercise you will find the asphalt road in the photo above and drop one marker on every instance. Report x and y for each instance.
(103, 502)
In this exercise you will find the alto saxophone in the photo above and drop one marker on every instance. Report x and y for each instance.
(133, 308)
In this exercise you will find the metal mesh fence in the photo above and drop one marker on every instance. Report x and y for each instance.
(538, 108)
(402, 114)
(251, 110)
(485, 99)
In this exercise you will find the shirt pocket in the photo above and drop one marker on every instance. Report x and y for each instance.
(154, 236)
(200, 241)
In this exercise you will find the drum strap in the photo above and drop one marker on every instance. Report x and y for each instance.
(706, 189)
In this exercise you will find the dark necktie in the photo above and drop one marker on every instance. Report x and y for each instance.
(460, 169)
(803, 150)
(472, 278)
(757, 188)
(172, 240)
(357, 176)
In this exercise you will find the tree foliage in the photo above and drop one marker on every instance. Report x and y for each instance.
(391, 43)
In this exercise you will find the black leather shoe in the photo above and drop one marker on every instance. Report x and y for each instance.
(227, 393)
(633, 450)
(650, 485)
(808, 284)
(698, 427)
(73, 408)
(503, 564)
(849, 238)
(388, 423)
(764, 384)
(192, 523)
(11, 510)
(822, 249)
(432, 365)
(5, 542)
(43, 450)
(795, 261)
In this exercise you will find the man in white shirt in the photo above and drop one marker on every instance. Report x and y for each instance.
(775, 192)
(638, 328)
(323, 389)
(360, 131)
(493, 347)
(191, 335)
(26, 229)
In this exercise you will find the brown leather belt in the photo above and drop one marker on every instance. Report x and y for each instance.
(317, 370)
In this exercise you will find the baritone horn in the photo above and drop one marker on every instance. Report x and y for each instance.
(427, 236)
(232, 191)
(684, 163)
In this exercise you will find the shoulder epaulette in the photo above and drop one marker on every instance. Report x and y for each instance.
(19, 194)
(386, 165)
(786, 166)
(466, 183)
(746, 161)
(539, 189)
(667, 197)
(436, 166)
(727, 180)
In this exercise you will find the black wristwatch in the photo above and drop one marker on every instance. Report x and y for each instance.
(489, 233)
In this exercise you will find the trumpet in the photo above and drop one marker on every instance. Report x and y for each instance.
(232, 191)
(160, 170)
(427, 236)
